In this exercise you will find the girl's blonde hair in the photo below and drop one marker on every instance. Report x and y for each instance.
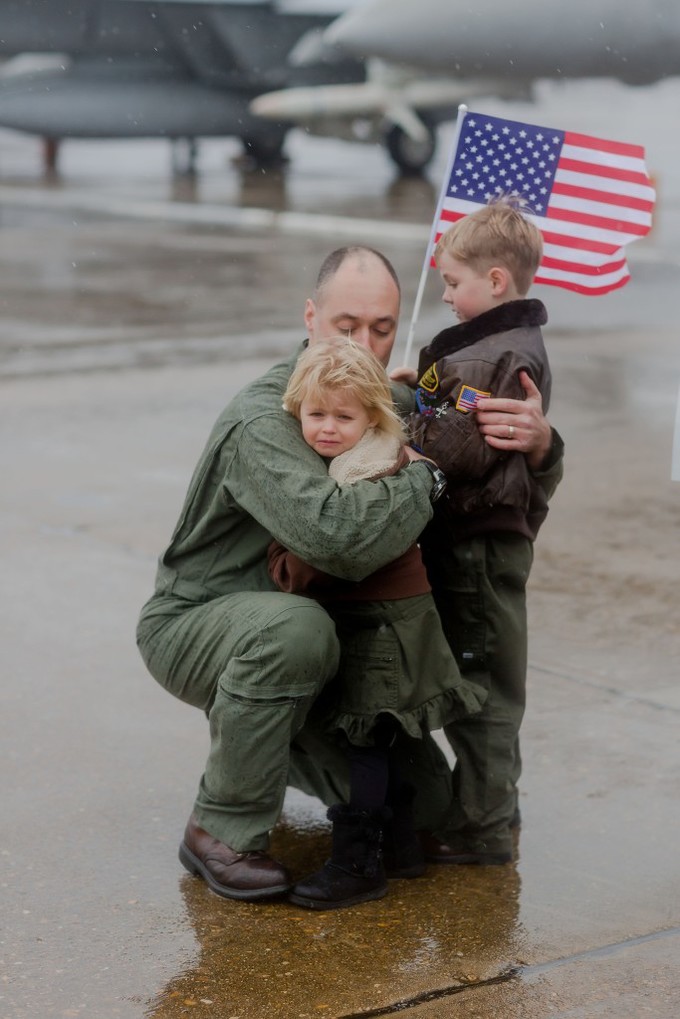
(497, 234)
(339, 363)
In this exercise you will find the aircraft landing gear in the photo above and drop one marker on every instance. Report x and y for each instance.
(265, 148)
(184, 153)
(50, 155)
(409, 155)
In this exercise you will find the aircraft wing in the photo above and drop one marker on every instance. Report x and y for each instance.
(530, 39)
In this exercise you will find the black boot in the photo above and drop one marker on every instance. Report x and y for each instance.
(355, 871)
(402, 850)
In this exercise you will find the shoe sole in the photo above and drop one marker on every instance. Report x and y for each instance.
(300, 900)
(196, 867)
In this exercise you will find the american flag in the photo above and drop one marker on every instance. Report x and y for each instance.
(469, 397)
(588, 196)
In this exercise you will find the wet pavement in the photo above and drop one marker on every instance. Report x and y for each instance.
(123, 336)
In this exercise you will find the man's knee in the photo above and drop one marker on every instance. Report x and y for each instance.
(293, 654)
(312, 647)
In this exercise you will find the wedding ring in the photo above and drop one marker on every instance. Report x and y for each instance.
(511, 431)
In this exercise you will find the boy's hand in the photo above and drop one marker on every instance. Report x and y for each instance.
(405, 374)
(517, 425)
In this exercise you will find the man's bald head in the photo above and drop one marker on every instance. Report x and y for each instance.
(357, 294)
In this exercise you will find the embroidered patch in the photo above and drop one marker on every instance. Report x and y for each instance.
(430, 380)
(468, 397)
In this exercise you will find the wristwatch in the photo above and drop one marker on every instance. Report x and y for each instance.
(438, 478)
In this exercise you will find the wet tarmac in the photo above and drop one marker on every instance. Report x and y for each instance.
(133, 308)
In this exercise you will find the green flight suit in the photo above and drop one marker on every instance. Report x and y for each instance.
(217, 635)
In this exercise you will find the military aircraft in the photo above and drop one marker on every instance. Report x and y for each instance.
(177, 69)
(459, 50)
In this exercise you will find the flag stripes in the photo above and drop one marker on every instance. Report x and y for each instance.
(588, 196)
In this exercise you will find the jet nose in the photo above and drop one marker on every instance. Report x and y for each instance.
(362, 31)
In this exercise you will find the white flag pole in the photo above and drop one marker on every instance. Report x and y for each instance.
(675, 465)
(462, 110)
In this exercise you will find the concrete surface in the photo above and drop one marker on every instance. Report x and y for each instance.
(122, 338)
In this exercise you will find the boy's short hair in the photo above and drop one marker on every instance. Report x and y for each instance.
(339, 363)
(497, 234)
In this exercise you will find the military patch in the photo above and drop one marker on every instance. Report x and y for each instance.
(468, 397)
(430, 380)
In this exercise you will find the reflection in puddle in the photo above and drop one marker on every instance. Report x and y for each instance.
(454, 926)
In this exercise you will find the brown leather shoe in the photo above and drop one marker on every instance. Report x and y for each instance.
(456, 850)
(250, 876)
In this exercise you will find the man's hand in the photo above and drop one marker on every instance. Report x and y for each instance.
(405, 374)
(517, 425)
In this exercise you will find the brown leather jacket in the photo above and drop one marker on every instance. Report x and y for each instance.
(482, 357)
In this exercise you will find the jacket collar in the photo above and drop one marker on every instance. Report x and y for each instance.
(511, 315)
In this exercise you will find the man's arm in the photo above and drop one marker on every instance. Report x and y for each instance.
(348, 531)
(520, 426)
(403, 394)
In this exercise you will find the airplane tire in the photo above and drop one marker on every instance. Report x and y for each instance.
(265, 148)
(410, 156)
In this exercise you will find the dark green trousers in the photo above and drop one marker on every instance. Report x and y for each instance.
(479, 587)
(255, 662)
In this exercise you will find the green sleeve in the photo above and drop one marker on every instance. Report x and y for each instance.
(348, 531)
(404, 398)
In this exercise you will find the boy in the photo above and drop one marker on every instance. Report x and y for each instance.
(479, 547)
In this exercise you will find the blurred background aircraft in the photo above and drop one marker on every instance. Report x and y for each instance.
(178, 69)
(425, 57)
(385, 71)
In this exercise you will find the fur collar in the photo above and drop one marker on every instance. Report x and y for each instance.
(511, 315)
(376, 453)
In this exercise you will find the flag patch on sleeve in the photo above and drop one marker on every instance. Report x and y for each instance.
(468, 397)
